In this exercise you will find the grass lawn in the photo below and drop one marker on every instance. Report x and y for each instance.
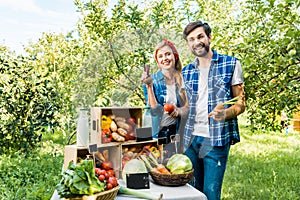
(263, 166)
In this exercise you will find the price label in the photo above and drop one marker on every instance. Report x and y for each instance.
(93, 148)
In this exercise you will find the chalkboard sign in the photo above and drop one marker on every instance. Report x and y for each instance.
(93, 148)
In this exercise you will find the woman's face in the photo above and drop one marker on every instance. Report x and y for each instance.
(165, 58)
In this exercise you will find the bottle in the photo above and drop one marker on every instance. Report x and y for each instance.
(147, 119)
(82, 134)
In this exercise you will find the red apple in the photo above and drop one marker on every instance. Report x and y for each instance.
(169, 108)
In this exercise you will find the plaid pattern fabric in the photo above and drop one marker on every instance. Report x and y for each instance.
(160, 92)
(219, 90)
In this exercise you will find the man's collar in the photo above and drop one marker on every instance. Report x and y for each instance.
(215, 57)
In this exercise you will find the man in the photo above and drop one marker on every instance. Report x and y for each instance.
(212, 78)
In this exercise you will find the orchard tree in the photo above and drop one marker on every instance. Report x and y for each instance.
(124, 39)
(265, 36)
(268, 42)
(28, 103)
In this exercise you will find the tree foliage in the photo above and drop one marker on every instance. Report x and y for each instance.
(100, 63)
(28, 104)
(269, 45)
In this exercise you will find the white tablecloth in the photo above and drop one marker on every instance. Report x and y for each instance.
(185, 192)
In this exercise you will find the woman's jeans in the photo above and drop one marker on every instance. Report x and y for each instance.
(209, 164)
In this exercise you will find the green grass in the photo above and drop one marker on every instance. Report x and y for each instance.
(31, 177)
(263, 165)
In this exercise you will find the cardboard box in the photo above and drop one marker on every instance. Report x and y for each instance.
(98, 112)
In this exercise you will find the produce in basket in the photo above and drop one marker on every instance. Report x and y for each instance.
(133, 166)
(178, 170)
(179, 164)
(78, 180)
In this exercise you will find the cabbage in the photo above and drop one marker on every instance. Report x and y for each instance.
(179, 164)
(133, 166)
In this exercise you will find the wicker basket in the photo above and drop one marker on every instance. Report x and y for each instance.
(106, 195)
(172, 179)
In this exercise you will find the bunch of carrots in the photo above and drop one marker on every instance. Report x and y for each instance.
(151, 162)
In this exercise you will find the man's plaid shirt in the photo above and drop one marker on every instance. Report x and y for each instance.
(219, 90)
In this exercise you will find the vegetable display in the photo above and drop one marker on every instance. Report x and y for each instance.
(117, 129)
(179, 164)
(132, 167)
(78, 180)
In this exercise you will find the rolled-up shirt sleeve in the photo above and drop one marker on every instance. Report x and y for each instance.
(237, 77)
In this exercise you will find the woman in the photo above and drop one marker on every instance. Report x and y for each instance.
(166, 87)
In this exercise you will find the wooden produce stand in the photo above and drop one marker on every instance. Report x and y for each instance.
(116, 151)
(75, 153)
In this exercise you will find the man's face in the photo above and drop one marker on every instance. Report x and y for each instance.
(199, 42)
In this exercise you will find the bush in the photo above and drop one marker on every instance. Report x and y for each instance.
(27, 104)
(31, 176)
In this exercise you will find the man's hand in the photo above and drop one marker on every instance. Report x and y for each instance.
(218, 113)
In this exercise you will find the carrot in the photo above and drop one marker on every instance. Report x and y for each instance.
(162, 169)
(221, 105)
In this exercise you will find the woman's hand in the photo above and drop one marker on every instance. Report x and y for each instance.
(146, 78)
(176, 112)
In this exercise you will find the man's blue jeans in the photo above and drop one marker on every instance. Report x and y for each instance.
(209, 164)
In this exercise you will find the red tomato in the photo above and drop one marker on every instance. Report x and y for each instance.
(169, 108)
(110, 172)
(106, 165)
(101, 177)
(102, 172)
(113, 181)
(109, 186)
(106, 175)
(97, 170)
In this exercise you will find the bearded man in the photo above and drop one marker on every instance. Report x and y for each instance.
(212, 126)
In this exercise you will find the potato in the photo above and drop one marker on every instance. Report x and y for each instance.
(122, 132)
(117, 137)
(123, 125)
(120, 119)
(113, 126)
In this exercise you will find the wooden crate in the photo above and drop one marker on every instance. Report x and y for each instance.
(96, 116)
(74, 153)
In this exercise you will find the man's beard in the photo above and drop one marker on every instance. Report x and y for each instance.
(202, 53)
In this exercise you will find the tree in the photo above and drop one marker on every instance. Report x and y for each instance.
(268, 41)
(28, 103)
(124, 43)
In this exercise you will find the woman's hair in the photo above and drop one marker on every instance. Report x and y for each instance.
(178, 65)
